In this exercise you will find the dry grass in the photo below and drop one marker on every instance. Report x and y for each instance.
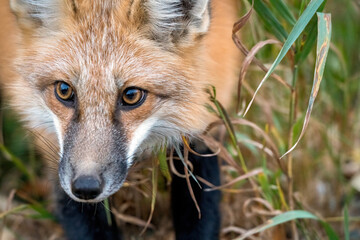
(323, 176)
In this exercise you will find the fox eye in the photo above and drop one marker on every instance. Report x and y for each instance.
(64, 93)
(133, 97)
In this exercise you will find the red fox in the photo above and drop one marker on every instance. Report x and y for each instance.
(113, 78)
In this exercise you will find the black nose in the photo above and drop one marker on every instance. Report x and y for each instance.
(86, 187)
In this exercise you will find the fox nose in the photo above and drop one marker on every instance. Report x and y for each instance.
(86, 187)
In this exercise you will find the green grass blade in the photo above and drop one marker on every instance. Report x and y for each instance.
(284, 11)
(303, 5)
(154, 179)
(281, 195)
(329, 231)
(346, 223)
(279, 219)
(107, 211)
(17, 162)
(42, 212)
(163, 165)
(270, 21)
(14, 210)
(322, 49)
(294, 34)
(230, 129)
(178, 152)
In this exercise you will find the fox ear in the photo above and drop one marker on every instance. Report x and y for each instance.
(178, 20)
(33, 14)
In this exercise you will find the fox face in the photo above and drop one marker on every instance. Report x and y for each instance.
(111, 79)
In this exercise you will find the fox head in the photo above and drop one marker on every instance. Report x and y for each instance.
(111, 78)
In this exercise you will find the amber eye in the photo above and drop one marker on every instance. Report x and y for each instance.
(133, 97)
(64, 92)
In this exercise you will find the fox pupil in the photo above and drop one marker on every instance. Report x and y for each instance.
(131, 94)
(64, 89)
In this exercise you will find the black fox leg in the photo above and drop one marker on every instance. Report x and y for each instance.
(186, 222)
(83, 220)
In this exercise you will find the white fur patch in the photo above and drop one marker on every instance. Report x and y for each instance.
(139, 135)
(58, 132)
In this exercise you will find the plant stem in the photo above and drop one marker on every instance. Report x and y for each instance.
(290, 158)
(107, 211)
(230, 130)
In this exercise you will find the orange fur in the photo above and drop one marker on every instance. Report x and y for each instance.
(224, 57)
(101, 48)
(9, 36)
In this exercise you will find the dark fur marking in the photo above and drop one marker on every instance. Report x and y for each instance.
(185, 216)
(186, 7)
(83, 220)
(74, 7)
(69, 139)
(128, 14)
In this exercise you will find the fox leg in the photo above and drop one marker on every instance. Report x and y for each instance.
(84, 221)
(186, 220)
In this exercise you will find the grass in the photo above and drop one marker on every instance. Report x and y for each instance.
(310, 193)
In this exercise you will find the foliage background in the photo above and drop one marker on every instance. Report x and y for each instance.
(326, 163)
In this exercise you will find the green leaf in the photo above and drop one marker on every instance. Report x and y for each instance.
(308, 45)
(294, 34)
(322, 49)
(270, 21)
(310, 34)
(284, 11)
(279, 219)
(289, 216)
